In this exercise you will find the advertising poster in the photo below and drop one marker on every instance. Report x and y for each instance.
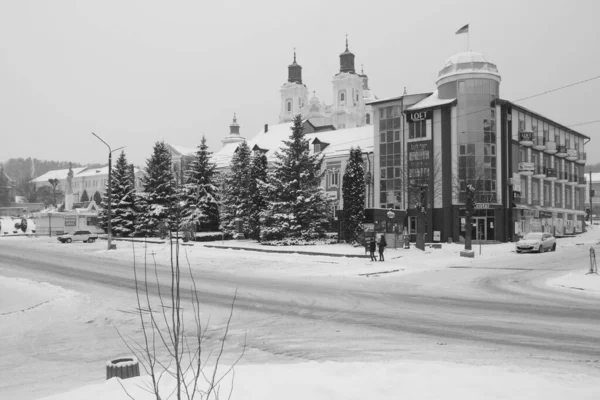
(579, 225)
(569, 227)
(558, 227)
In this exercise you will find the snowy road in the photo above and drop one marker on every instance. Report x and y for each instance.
(492, 312)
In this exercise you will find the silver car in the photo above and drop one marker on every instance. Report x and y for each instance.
(536, 242)
(78, 236)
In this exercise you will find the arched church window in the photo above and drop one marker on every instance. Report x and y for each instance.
(289, 106)
(342, 97)
(368, 119)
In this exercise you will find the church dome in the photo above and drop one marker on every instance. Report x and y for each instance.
(468, 62)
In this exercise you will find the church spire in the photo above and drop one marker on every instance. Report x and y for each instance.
(234, 128)
(294, 71)
(347, 60)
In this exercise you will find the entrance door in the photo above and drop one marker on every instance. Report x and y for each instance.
(479, 228)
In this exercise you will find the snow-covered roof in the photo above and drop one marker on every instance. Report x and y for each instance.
(57, 174)
(595, 177)
(98, 172)
(339, 141)
(431, 101)
(184, 151)
(468, 62)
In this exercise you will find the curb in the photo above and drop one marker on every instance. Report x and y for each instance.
(132, 240)
(306, 253)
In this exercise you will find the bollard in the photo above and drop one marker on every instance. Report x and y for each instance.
(593, 266)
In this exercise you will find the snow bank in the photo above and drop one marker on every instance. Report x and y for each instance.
(382, 381)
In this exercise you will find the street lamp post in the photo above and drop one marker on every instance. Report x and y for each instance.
(109, 190)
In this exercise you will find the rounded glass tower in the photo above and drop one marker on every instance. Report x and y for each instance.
(474, 82)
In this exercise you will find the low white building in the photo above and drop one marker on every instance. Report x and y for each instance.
(89, 180)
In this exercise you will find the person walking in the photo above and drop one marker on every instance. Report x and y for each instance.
(372, 249)
(382, 243)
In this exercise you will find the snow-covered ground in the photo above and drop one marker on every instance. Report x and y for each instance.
(381, 381)
(38, 305)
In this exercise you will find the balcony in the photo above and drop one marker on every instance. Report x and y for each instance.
(562, 177)
(546, 202)
(550, 147)
(526, 168)
(557, 204)
(573, 179)
(582, 158)
(582, 182)
(539, 171)
(562, 151)
(572, 154)
(538, 143)
(526, 138)
(551, 174)
(535, 202)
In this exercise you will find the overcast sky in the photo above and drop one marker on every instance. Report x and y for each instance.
(135, 72)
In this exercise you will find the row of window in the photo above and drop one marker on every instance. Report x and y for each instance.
(536, 199)
(541, 128)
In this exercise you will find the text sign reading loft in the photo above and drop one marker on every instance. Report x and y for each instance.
(415, 116)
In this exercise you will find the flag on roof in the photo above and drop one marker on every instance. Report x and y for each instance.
(464, 29)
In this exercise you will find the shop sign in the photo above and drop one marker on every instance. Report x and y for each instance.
(414, 116)
(70, 221)
(571, 153)
(526, 166)
(526, 136)
(516, 196)
(332, 195)
(551, 172)
(528, 213)
(562, 149)
(482, 205)
(545, 214)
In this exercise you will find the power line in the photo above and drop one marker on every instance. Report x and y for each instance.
(515, 101)
(559, 88)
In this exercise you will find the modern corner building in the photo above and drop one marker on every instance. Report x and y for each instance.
(526, 168)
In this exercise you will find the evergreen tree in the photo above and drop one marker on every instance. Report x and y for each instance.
(159, 189)
(236, 194)
(98, 198)
(84, 196)
(122, 197)
(199, 194)
(258, 175)
(353, 195)
(296, 205)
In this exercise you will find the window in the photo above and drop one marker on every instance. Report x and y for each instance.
(317, 147)
(368, 118)
(342, 97)
(333, 177)
(289, 106)
(417, 130)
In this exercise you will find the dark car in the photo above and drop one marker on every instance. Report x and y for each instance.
(81, 236)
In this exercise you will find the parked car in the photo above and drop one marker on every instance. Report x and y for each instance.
(536, 242)
(78, 236)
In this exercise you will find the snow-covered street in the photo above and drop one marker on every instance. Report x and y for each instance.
(419, 325)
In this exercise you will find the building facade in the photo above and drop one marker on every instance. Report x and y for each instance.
(527, 169)
(351, 93)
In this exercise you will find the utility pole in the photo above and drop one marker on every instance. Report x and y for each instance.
(109, 189)
(590, 194)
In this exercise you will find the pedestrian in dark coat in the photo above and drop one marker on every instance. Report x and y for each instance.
(382, 243)
(372, 249)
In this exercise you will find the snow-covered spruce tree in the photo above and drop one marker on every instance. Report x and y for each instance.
(199, 194)
(236, 195)
(353, 194)
(258, 174)
(296, 204)
(159, 189)
(98, 198)
(84, 196)
(123, 214)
